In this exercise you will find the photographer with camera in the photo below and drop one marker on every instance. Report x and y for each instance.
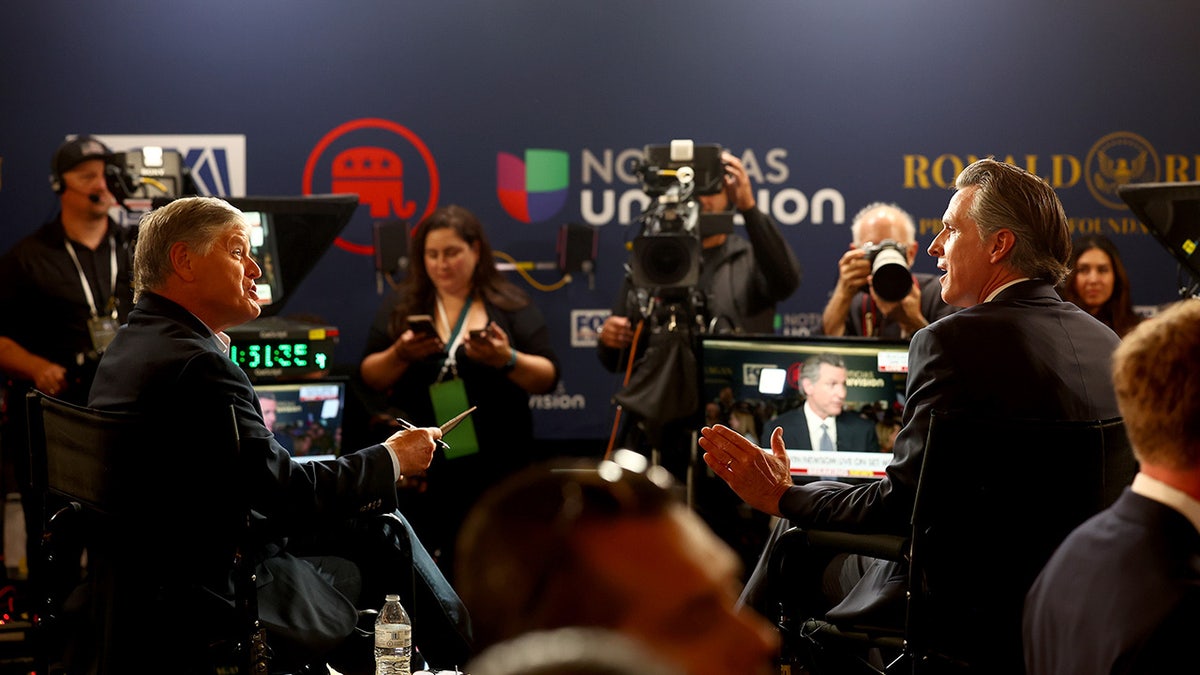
(738, 284)
(876, 294)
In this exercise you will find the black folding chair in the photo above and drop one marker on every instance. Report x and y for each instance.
(106, 480)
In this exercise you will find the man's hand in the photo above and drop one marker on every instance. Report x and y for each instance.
(758, 477)
(737, 183)
(616, 332)
(50, 378)
(854, 272)
(414, 448)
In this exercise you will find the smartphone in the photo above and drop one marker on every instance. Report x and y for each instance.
(481, 334)
(422, 324)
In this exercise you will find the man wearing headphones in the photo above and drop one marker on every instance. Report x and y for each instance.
(64, 290)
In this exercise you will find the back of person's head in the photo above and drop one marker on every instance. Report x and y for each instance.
(569, 651)
(1156, 376)
(1012, 198)
(901, 228)
(196, 221)
(517, 568)
(570, 543)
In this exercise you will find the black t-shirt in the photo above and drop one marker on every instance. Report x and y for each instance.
(42, 302)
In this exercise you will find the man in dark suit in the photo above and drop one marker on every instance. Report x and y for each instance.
(823, 423)
(1122, 593)
(194, 278)
(1014, 350)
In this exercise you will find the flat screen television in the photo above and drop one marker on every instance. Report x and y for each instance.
(1171, 211)
(761, 375)
(306, 415)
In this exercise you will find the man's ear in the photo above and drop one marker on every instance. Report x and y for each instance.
(1003, 242)
(912, 252)
(181, 261)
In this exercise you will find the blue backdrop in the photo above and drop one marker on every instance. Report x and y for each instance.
(833, 104)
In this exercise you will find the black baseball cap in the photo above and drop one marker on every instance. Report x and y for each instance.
(79, 149)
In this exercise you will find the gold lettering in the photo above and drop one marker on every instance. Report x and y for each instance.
(930, 225)
(1177, 168)
(939, 170)
(1060, 162)
(1084, 225)
(916, 169)
(1126, 226)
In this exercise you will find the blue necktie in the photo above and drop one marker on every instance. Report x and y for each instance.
(826, 441)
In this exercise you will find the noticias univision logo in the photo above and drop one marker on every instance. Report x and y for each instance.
(533, 188)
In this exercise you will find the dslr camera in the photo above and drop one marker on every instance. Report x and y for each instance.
(666, 254)
(889, 269)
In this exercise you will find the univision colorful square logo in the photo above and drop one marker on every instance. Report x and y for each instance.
(532, 188)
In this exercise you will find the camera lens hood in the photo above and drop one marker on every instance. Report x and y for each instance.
(890, 276)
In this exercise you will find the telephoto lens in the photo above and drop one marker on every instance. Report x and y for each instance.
(889, 270)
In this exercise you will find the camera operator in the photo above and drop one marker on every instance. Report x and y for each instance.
(64, 290)
(876, 294)
(745, 278)
(741, 282)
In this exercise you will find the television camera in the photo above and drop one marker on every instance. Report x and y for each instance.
(139, 176)
(665, 266)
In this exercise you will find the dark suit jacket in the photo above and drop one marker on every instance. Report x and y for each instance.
(854, 434)
(1026, 354)
(1120, 595)
(165, 363)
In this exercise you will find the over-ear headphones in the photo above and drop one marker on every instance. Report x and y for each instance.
(70, 154)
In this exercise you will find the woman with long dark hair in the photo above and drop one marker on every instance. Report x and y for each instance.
(485, 344)
(1099, 284)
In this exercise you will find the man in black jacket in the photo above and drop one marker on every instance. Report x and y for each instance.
(1122, 592)
(741, 281)
(194, 278)
(1015, 349)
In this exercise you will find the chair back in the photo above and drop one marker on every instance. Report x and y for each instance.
(110, 485)
(995, 498)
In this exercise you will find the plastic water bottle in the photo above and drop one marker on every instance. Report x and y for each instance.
(393, 638)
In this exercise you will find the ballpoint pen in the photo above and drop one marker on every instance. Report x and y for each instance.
(446, 428)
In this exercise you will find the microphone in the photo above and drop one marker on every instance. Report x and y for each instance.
(93, 197)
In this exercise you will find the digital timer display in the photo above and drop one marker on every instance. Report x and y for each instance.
(283, 356)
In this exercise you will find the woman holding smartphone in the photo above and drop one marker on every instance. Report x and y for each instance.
(456, 333)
